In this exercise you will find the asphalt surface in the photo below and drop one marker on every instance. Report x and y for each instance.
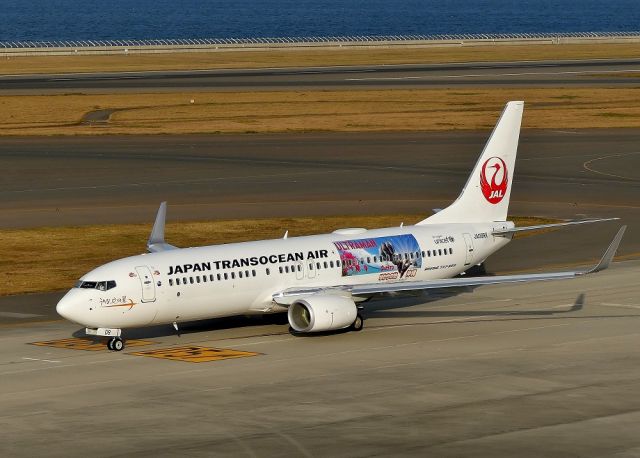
(606, 72)
(105, 180)
(545, 369)
(512, 370)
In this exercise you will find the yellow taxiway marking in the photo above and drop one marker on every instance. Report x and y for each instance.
(195, 354)
(74, 343)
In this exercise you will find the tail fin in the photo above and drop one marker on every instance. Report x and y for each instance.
(485, 197)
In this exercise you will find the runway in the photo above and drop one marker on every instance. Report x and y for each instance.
(576, 73)
(533, 370)
(109, 180)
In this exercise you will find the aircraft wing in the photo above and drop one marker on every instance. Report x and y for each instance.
(289, 296)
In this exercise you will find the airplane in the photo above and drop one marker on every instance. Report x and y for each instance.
(320, 281)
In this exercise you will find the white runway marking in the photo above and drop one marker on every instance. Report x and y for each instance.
(587, 165)
(18, 315)
(38, 359)
(626, 306)
(253, 178)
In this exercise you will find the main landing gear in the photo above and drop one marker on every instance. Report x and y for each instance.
(358, 323)
(115, 344)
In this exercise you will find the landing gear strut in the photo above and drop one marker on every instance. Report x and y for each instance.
(358, 323)
(115, 344)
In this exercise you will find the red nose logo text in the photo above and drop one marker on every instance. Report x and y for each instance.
(494, 179)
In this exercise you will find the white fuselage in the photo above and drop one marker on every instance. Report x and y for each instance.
(241, 278)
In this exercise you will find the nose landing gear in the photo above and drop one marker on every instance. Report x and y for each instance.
(115, 344)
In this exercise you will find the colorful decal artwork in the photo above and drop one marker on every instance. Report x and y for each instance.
(496, 188)
(392, 258)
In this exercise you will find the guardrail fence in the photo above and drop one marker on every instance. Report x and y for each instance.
(167, 45)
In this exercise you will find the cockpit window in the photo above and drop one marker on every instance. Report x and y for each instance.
(99, 285)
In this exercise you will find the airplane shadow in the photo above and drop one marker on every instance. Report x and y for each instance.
(384, 307)
(214, 324)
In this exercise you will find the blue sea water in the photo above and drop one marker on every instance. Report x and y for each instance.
(153, 19)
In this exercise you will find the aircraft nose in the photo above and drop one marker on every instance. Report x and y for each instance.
(64, 308)
(67, 307)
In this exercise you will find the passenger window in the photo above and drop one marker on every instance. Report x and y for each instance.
(219, 277)
(368, 260)
(171, 282)
(177, 281)
(331, 264)
(253, 272)
(191, 280)
(428, 253)
(280, 268)
(338, 263)
(226, 276)
(318, 265)
(326, 265)
(233, 275)
(211, 277)
(286, 269)
(268, 271)
(184, 280)
(198, 279)
(439, 252)
(240, 274)
(204, 279)
(310, 266)
(423, 254)
(299, 267)
(450, 250)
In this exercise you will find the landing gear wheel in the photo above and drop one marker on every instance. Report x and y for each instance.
(115, 344)
(118, 344)
(358, 323)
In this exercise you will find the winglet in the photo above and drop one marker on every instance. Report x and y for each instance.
(156, 239)
(608, 255)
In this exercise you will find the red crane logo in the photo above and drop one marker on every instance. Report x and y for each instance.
(494, 190)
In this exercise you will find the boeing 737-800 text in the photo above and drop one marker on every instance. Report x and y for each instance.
(318, 280)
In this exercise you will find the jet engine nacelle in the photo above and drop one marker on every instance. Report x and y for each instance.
(322, 313)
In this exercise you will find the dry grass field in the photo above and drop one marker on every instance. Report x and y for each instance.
(48, 259)
(317, 110)
(305, 57)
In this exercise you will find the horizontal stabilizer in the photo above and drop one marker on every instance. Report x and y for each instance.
(156, 241)
(546, 226)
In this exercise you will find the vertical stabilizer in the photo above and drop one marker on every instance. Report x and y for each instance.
(486, 195)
